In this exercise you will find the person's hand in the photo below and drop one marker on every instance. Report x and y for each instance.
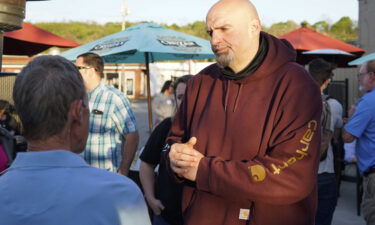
(185, 159)
(123, 171)
(155, 204)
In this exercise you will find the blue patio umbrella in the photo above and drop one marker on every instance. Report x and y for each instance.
(362, 59)
(145, 43)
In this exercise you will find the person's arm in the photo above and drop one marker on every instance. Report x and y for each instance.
(358, 122)
(284, 174)
(147, 176)
(125, 122)
(157, 106)
(349, 150)
(150, 157)
(129, 150)
(347, 137)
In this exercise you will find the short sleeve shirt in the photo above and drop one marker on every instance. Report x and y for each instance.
(110, 118)
(362, 126)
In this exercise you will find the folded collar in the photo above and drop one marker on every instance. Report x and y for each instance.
(51, 158)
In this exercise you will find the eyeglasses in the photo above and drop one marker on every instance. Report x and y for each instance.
(83, 67)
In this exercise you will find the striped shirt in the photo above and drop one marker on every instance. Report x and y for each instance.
(110, 118)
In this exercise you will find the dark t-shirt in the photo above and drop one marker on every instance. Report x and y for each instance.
(167, 190)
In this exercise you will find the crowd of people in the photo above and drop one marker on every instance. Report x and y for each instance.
(251, 139)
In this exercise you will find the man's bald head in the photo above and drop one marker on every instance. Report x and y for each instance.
(243, 7)
(234, 28)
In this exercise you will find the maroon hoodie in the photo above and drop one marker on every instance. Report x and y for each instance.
(260, 136)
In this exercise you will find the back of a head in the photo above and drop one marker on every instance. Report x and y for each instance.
(183, 79)
(166, 86)
(95, 61)
(320, 70)
(43, 93)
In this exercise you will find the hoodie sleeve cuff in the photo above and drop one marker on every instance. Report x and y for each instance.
(203, 180)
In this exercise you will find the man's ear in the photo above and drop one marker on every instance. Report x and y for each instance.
(325, 84)
(255, 26)
(372, 77)
(76, 111)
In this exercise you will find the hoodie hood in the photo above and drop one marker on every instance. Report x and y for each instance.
(229, 74)
(280, 52)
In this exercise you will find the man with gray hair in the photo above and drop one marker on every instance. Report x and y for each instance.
(50, 183)
(361, 127)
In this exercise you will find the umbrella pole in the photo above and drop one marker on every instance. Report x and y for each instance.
(148, 93)
(1, 49)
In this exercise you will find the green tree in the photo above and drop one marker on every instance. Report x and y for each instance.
(197, 28)
(344, 30)
(282, 28)
(321, 27)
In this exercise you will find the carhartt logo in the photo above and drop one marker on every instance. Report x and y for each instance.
(300, 153)
(257, 172)
(244, 214)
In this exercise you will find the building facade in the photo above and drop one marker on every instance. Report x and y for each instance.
(366, 25)
(131, 79)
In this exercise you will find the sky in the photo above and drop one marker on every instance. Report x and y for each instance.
(183, 12)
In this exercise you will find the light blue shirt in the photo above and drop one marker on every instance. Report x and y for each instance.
(58, 188)
(362, 126)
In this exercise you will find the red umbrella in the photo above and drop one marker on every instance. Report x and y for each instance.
(31, 40)
(306, 39)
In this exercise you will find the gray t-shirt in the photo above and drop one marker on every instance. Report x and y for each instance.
(327, 166)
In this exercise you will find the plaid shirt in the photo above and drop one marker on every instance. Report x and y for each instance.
(111, 117)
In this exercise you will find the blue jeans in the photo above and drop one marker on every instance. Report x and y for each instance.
(327, 198)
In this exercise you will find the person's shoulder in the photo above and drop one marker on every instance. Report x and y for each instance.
(296, 71)
(369, 97)
(117, 96)
(165, 123)
(207, 74)
(212, 70)
(334, 102)
(366, 105)
(297, 76)
(112, 90)
(164, 126)
(108, 188)
(111, 179)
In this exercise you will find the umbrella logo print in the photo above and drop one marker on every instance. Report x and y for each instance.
(179, 43)
(114, 43)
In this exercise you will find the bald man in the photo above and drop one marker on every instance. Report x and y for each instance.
(246, 139)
